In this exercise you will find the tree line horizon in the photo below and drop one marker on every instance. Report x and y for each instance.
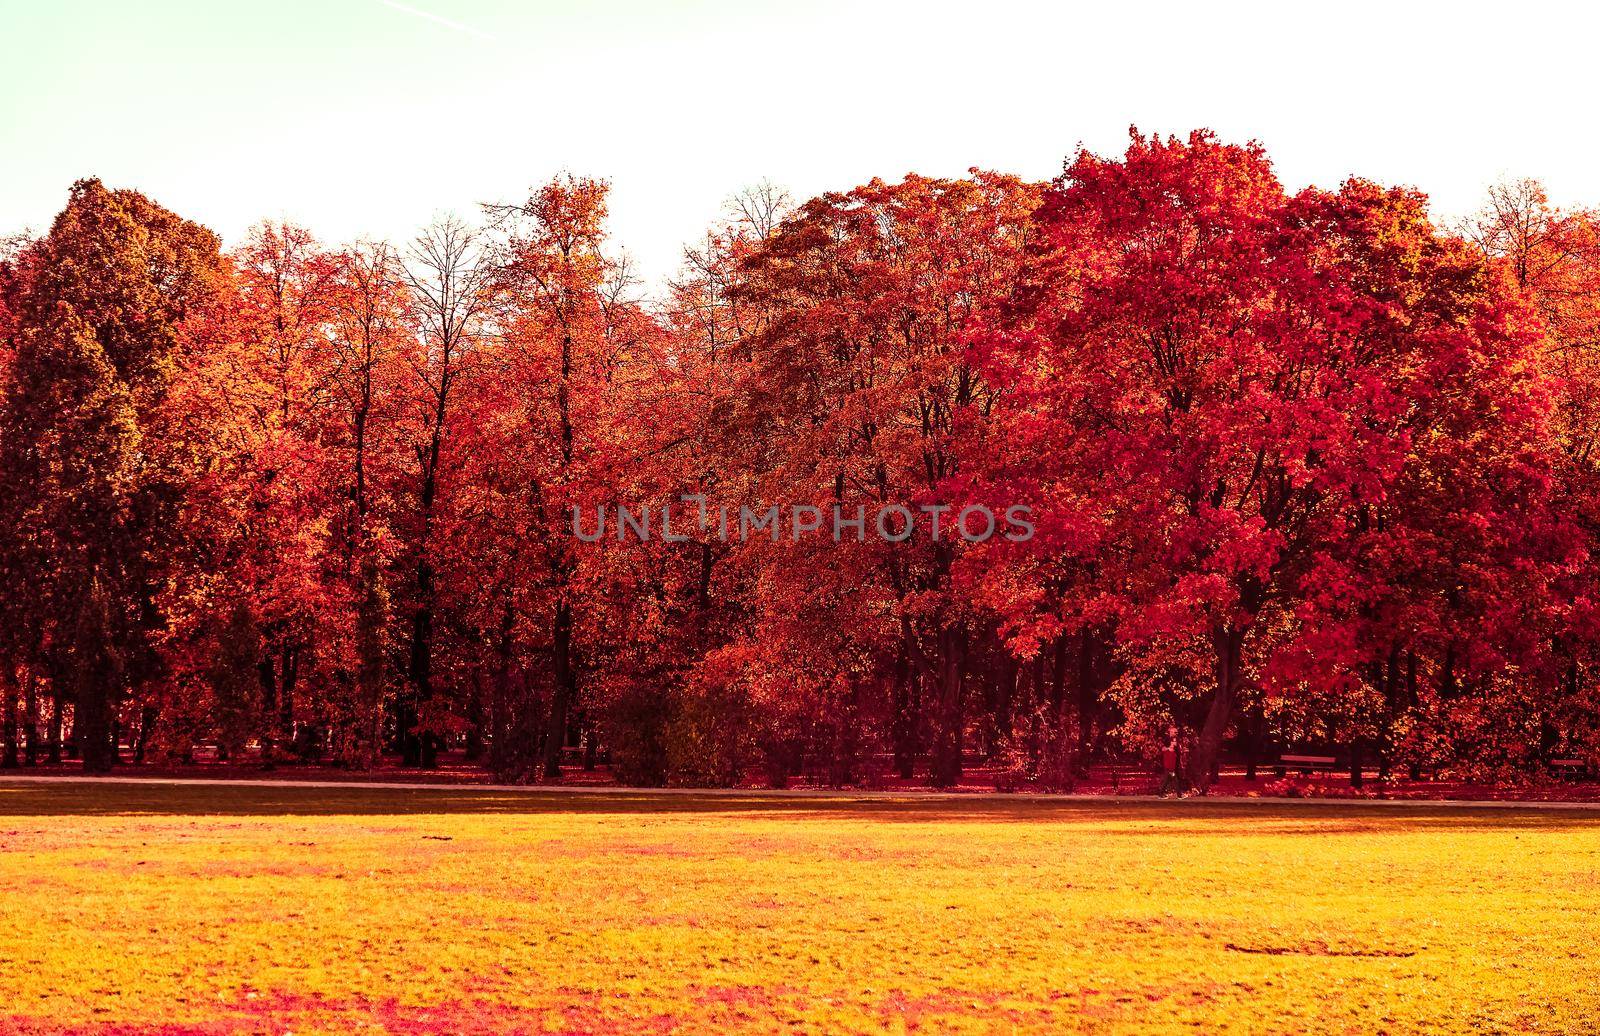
(1300, 468)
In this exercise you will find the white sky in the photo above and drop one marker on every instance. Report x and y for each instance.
(367, 116)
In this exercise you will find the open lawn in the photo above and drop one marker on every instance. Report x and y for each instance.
(134, 909)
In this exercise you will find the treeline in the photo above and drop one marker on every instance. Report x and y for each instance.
(1302, 469)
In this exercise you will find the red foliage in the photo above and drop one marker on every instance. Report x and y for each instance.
(1273, 468)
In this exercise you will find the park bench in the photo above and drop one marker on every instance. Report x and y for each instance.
(1569, 767)
(1306, 763)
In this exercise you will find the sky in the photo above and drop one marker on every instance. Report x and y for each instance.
(369, 117)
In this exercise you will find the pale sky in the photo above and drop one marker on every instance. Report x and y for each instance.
(366, 117)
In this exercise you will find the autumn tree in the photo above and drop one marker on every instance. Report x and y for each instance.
(286, 292)
(1241, 379)
(576, 355)
(451, 290)
(111, 295)
(370, 329)
(1552, 255)
(858, 388)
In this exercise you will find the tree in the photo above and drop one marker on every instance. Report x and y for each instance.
(286, 489)
(1553, 255)
(1237, 377)
(859, 390)
(101, 321)
(575, 345)
(451, 303)
(370, 325)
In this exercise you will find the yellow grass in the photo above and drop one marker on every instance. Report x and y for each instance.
(142, 909)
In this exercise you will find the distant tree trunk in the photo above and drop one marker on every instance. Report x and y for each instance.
(1449, 688)
(420, 672)
(266, 672)
(288, 675)
(1357, 744)
(475, 719)
(1088, 693)
(92, 728)
(372, 620)
(847, 736)
(416, 747)
(98, 685)
(587, 726)
(1252, 741)
(1414, 770)
(31, 718)
(903, 724)
(1058, 685)
(946, 767)
(1037, 696)
(358, 494)
(563, 692)
(419, 747)
(1392, 706)
(148, 717)
(53, 744)
(9, 727)
(1005, 699)
(514, 740)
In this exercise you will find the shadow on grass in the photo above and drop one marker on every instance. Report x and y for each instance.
(83, 798)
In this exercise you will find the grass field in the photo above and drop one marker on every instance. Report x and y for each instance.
(134, 909)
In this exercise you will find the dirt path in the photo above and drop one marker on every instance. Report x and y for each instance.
(760, 793)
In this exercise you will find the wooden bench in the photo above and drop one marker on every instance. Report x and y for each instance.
(1570, 767)
(1306, 763)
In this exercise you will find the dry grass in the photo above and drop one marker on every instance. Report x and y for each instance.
(143, 909)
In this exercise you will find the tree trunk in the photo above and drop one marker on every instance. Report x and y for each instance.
(1058, 685)
(844, 742)
(98, 680)
(9, 727)
(413, 749)
(92, 727)
(473, 750)
(31, 718)
(589, 743)
(1038, 694)
(563, 692)
(416, 746)
(372, 620)
(1203, 759)
(266, 674)
(1088, 693)
(1391, 709)
(1252, 743)
(147, 722)
(946, 768)
(1414, 770)
(358, 535)
(1005, 699)
(286, 686)
(53, 739)
(903, 725)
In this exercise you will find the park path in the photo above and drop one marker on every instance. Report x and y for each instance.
(798, 793)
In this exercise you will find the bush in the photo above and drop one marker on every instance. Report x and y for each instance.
(636, 723)
(708, 743)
